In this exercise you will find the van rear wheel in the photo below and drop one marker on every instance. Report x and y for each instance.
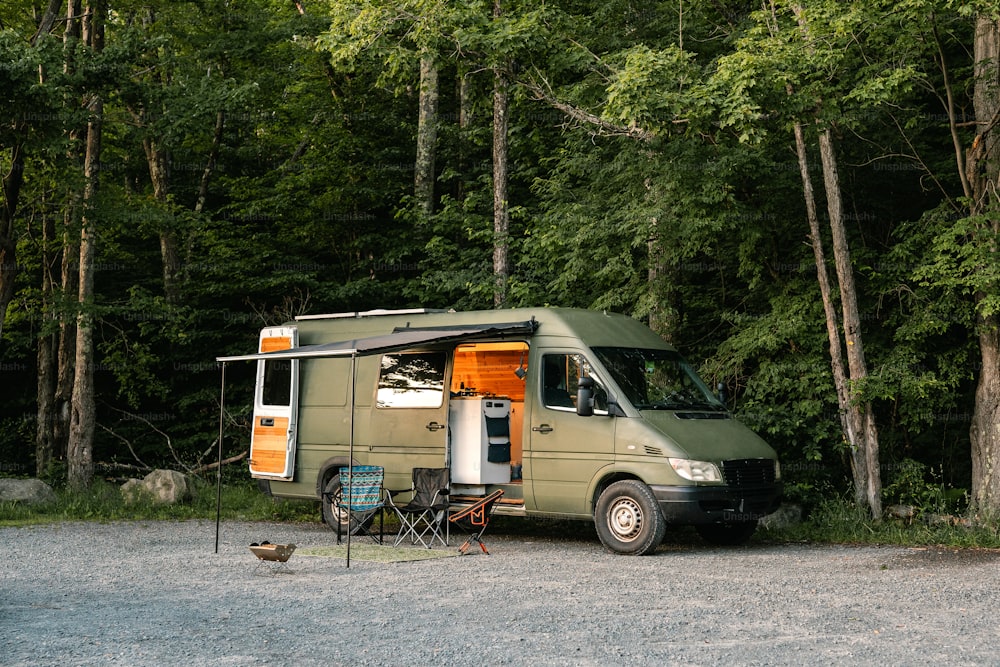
(333, 516)
(628, 519)
(731, 534)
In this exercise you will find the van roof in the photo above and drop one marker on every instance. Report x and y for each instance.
(594, 327)
(378, 312)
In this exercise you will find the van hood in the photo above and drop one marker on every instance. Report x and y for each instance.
(707, 437)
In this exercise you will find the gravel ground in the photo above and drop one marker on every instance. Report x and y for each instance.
(155, 593)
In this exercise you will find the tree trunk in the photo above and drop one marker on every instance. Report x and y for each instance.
(213, 157)
(423, 178)
(857, 419)
(80, 451)
(983, 167)
(501, 210)
(840, 381)
(464, 120)
(985, 429)
(158, 161)
(55, 392)
(66, 348)
(867, 475)
(45, 444)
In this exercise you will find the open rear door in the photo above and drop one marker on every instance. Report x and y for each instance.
(272, 445)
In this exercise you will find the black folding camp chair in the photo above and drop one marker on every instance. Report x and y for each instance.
(422, 519)
(475, 519)
(360, 496)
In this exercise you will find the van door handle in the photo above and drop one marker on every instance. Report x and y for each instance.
(542, 428)
(434, 426)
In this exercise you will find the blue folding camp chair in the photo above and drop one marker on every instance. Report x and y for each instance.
(359, 497)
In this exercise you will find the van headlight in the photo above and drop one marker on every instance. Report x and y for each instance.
(696, 471)
(777, 471)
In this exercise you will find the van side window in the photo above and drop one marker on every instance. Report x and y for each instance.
(561, 374)
(277, 386)
(411, 380)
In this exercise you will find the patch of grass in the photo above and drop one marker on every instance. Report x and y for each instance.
(834, 520)
(104, 502)
(377, 553)
(840, 521)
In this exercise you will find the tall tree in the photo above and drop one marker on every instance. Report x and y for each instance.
(856, 417)
(983, 170)
(811, 50)
(861, 431)
(427, 105)
(80, 448)
(501, 153)
(56, 348)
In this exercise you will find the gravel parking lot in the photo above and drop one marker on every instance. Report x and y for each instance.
(155, 593)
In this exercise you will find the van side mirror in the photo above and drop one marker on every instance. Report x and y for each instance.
(585, 397)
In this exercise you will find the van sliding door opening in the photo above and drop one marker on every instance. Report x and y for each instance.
(487, 389)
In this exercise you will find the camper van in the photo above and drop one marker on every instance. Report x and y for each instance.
(574, 413)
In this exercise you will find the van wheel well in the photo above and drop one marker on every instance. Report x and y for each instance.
(328, 471)
(608, 481)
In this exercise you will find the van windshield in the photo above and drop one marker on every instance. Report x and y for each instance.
(657, 379)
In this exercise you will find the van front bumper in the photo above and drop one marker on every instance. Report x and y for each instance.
(693, 505)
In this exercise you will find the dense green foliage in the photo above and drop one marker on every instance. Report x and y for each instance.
(652, 172)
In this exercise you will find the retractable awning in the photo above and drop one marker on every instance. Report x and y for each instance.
(400, 339)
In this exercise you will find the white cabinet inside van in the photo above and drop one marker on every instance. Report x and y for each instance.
(480, 440)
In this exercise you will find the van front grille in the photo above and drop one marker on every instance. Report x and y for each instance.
(748, 473)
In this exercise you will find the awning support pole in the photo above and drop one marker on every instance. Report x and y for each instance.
(350, 454)
(218, 471)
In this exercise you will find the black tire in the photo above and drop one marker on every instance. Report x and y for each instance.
(727, 534)
(628, 519)
(360, 521)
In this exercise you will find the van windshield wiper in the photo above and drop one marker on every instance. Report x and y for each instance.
(674, 402)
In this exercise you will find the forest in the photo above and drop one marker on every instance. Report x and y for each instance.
(800, 195)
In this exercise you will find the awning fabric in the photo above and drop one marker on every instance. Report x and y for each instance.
(400, 339)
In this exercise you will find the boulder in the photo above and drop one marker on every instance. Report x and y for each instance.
(906, 513)
(133, 491)
(784, 517)
(27, 491)
(167, 487)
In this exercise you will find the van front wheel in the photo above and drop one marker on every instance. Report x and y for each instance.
(628, 519)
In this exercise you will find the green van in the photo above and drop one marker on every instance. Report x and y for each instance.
(574, 413)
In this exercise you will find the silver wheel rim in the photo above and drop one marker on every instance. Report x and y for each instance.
(625, 519)
(334, 512)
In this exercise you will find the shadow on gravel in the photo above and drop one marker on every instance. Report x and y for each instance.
(677, 537)
(918, 557)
